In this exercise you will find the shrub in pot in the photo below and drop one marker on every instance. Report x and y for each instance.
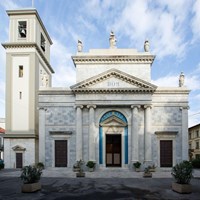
(147, 173)
(80, 173)
(30, 176)
(40, 165)
(182, 173)
(91, 165)
(137, 166)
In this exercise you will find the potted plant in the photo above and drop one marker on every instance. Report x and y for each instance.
(30, 176)
(80, 173)
(152, 168)
(76, 167)
(182, 172)
(91, 165)
(147, 173)
(137, 166)
(40, 165)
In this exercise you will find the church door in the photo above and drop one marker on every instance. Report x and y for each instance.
(113, 150)
(19, 160)
(60, 153)
(166, 153)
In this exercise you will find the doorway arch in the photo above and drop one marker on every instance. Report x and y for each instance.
(113, 123)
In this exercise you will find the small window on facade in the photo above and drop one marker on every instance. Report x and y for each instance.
(20, 95)
(22, 29)
(197, 145)
(197, 134)
(42, 42)
(20, 71)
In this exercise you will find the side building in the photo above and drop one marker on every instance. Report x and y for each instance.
(113, 115)
(194, 142)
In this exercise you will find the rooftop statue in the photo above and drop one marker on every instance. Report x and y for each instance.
(181, 79)
(80, 46)
(112, 40)
(146, 46)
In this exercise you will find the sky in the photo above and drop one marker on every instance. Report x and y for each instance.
(171, 26)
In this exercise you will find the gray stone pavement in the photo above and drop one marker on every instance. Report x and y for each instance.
(58, 184)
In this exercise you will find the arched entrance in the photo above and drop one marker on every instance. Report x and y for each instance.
(113, 139)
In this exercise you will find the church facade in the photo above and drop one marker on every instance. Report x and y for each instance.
(113, 115)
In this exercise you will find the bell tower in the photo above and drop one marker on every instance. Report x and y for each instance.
(28, 69)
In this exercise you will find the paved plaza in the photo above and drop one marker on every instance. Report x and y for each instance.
(58, 184)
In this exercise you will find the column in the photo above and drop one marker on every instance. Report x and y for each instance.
(92, 135)
(134, 134)
(79, 134)
(42, 119)
(184, 132)
(147, 134)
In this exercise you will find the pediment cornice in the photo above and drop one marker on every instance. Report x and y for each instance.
(139, 85)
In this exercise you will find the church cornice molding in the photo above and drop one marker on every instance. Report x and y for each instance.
(105, 59)
(84, 86)
(113, 91)
(13, 45)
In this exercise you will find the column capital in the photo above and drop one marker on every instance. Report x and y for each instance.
(185, 107)
(42, 108)
(79, 106)
(135, 106)
(147, 106)
(91, 106)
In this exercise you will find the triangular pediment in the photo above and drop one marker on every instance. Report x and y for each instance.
(113, 80)
(18, 148)
(113, 122)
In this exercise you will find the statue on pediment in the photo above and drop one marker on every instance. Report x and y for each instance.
(112, 40)
(80, 46)
(181, 79)
(146, 46)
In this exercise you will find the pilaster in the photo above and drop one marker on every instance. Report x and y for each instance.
(147, 134)
(184, 132)
(92, 134)
(42, 120)
(79, 133)
(134, 133)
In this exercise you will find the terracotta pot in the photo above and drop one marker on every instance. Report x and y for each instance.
(147, 175)
(182, 188)
(137, 169)
(31, 187)
(80, 174)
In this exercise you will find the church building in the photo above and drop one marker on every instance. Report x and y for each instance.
(112, 115)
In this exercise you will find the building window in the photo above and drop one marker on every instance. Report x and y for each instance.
(22, 29)
(190, 136)
(20, 95)
(20, 71)
(197, 133)
(197, 156)
(42, 42)
(197, 145)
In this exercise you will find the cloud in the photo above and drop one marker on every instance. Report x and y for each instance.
(195, 24)
(162, 23)
(11, 4)
(167, 81)
(191, 81)
(64, 72)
